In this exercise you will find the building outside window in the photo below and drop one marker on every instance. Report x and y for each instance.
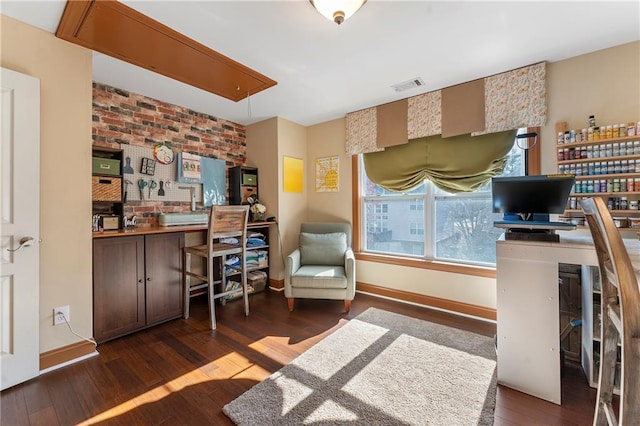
(429, 223)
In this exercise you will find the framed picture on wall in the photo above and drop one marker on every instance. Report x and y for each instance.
(293, 174)
(327, 174)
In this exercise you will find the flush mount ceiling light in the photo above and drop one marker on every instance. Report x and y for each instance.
(337, 10)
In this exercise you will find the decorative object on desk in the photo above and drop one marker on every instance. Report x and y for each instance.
(257, 209)
(128, 223)
(327, 174)
(380, 368)
(163, 154)
(127, 169)
(109, 222)
(148, 166)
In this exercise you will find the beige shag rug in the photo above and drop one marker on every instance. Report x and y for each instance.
(380, 368)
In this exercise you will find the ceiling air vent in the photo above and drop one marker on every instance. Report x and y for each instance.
(414, 82)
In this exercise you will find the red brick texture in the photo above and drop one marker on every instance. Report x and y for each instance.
(121, 117)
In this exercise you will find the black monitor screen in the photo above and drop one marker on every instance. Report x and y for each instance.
(531, 194)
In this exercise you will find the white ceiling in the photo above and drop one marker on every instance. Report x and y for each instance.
(325, 71)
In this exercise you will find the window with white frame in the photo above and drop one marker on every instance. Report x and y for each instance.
(429, 223)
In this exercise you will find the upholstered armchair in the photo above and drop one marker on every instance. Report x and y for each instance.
(323, 266)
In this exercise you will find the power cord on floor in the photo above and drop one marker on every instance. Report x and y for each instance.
(62, 316)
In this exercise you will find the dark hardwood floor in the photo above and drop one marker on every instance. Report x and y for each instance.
(182, 373)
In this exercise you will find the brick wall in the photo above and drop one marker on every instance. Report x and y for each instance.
(121, 117)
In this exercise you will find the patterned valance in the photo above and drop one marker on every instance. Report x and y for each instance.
(425, 115)
(515, 99)
(512, 100)
(362, 131)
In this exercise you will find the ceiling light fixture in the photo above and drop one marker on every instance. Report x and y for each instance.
(337, 11)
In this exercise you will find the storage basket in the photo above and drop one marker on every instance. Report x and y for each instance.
(257, 279)
(106, 188)
(105, 166)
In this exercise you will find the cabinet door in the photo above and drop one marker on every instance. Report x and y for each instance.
(118, 286)
(163, 254)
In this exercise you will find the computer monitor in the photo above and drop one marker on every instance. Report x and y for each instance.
(529, 195)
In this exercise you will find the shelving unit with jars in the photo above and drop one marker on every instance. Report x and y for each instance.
(608, 167)
(591, 341)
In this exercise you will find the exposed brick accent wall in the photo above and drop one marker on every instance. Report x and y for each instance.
(121, 117)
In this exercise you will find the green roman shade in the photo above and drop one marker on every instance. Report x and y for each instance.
(456, 164)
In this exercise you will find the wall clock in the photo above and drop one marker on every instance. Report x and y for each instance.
(163, 154)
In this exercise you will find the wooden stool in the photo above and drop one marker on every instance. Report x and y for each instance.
(620, 302)
(227, 236)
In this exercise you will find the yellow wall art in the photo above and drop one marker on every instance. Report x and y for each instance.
(327, 175)
(293, 174)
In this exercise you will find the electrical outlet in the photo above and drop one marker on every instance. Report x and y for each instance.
(57, 319)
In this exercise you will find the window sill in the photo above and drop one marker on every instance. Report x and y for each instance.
(479, 271)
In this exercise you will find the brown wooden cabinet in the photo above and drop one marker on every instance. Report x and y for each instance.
(163, 267)
(137, 282)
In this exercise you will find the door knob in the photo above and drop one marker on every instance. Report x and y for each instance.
(24, 242)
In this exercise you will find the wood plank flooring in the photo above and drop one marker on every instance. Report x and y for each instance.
(181, 373)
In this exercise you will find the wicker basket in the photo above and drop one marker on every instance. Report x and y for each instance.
(106, 188)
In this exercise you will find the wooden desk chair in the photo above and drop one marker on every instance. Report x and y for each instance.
(226, 223)
(620, 319)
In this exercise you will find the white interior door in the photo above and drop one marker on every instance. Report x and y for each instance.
(19, 227)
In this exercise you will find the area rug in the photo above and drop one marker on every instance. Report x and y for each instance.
(380, 368)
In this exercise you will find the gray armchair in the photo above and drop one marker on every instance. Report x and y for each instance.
(323, 266)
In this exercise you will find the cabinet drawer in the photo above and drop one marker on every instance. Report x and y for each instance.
(106, 188)
(105, 166)
(248, 191)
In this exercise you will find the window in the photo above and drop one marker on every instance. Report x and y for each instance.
(427, 223)
(417, 229)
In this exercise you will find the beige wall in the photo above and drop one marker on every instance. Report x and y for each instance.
(262, 152)
(325, 140)
(64, 71)
(605, 83)
(268, 142)
(292, 142)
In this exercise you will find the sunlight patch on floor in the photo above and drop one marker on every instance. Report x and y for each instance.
(235, 365)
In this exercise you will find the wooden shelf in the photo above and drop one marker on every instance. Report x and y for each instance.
(611, 211)
(609, 176)
(599, 141)
(601, 194)
(599, 159)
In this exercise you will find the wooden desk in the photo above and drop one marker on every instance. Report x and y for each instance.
(528, 309)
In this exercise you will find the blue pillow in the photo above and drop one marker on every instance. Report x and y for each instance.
(322, 249)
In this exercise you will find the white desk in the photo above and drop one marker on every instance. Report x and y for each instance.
(528, 309)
